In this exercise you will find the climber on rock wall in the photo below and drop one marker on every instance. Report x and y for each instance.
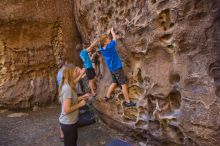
(90, 72)
(107, 48)
(97, 63)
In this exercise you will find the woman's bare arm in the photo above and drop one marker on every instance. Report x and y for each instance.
(68, 107)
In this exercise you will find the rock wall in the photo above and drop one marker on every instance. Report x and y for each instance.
(35, 35)
(170, 50)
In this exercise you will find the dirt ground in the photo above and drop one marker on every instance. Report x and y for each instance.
(41, 128)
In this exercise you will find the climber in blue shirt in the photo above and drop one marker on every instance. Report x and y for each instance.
(90, 72)
(108, 49)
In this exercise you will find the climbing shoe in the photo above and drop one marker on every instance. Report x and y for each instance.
(108, 98)
(129, 104)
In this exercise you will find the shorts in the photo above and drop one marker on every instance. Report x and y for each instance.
(90, 73)
(119, 77)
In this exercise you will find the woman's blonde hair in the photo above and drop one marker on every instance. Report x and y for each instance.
(103, 39)
(69, 76)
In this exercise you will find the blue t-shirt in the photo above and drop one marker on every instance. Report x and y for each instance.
(111, 57)
(59, 76)
(84, 55)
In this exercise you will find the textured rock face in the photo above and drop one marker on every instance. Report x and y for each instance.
(34, 37)
(170, 51)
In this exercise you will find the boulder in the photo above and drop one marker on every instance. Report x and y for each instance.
(35, 37)
(170, 51)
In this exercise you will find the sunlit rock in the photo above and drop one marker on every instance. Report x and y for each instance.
(170, 50)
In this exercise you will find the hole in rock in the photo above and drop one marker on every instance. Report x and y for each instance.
(121, 12)
(151, 104)
(131, 113)
(140, 123)
(170, 49)
(171, 25)
(109, 13)
(117, 19)
(214, 69)
(121, 4)
(142, 113)
(129, 12)
(142, 108)
(166, 38)
(108, 2)
(121, 97)
(174, 101)
(154, 125)
(132, 81)
(174, 78)
(217, 91)
(144, 116)
(135, 91)
(146, 80)
(153, 1)
(165, 20)
(173, 133)
(129, 119)
(119, 109)
(162, 4)
(217, 81)
(139, 76)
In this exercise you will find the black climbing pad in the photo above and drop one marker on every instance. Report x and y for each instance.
(84, 109)
(86, 117)
(117, 143)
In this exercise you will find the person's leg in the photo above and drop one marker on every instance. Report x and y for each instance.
(75, 134)
(111, 89)
(122, 80)
(61, 134)
(125, 92)
(70, 134)
(127, 102)
(101, 68)
(92, 86)
(91, 75)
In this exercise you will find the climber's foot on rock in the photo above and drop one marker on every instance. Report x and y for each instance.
(129, 104)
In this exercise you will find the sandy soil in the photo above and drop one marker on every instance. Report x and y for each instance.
(40, 128)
